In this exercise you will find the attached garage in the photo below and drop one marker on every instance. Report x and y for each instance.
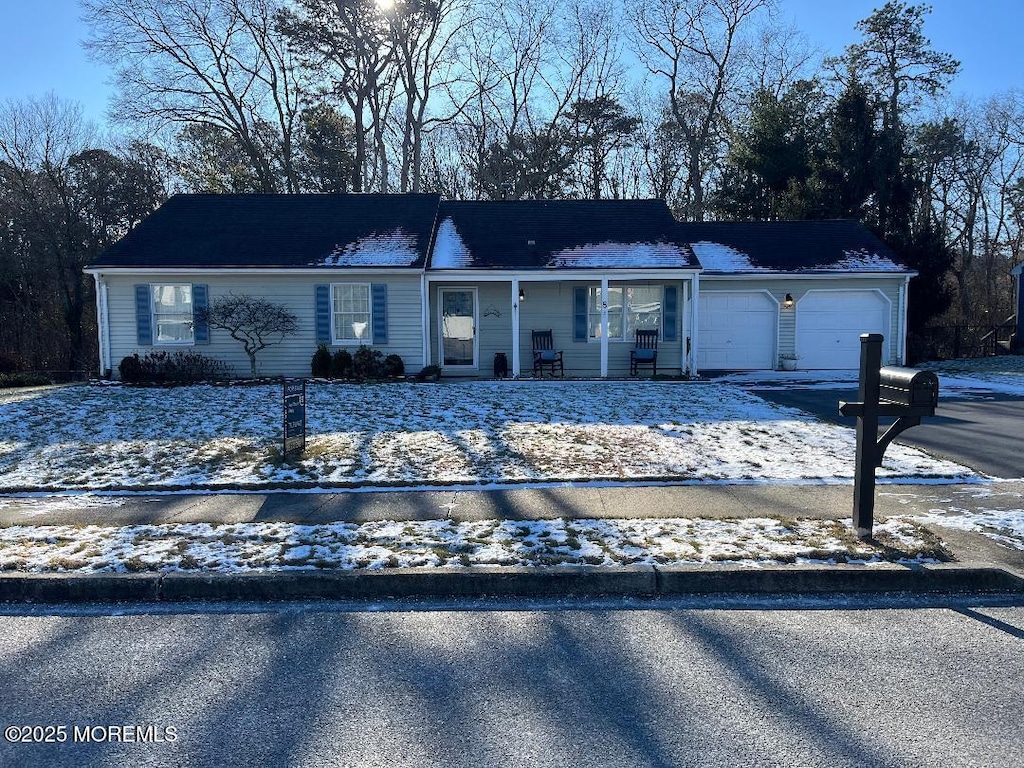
(737, 331)
(829, 324)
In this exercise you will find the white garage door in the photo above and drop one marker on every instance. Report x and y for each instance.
(829, 325)
(736, 331)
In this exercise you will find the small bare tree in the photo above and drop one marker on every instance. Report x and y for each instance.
(252, 320)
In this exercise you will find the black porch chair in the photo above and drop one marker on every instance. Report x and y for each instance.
(644, 353)
(545, 354)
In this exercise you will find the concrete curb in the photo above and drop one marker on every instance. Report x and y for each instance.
(580, 581)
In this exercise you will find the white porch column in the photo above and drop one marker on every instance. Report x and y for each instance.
(604, 327)
(515, 328)
(102, 322)
(425, 318)
(694, 319)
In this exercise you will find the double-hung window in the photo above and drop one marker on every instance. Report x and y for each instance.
(630, 308)
(172, 313)
(351, 313)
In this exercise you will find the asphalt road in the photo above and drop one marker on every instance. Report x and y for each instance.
(469, 685)
(984, 433)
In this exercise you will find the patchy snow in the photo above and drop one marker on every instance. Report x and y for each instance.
(405, 434)
(610, 255)
(862, 261)
(376, 545)
(449, 250)
(396, 248)
(715, 257)
(1003, 525)
(1003, 374)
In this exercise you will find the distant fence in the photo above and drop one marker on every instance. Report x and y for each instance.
(948, 342)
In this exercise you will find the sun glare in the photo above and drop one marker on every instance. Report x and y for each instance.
(385, 5)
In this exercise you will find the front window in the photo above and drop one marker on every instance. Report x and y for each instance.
(172, 314)
(630, 308)
(351, 313)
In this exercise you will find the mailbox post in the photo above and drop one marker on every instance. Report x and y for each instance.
(906, 393)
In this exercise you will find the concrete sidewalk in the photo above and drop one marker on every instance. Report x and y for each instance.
(980, 563)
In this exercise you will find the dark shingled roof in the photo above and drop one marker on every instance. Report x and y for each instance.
(737, 247)
(372, 231)
(285, 231)
(537, 234)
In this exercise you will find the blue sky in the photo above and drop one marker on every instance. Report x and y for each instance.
(40, 47)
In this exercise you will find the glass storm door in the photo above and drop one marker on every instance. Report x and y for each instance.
(458, 327)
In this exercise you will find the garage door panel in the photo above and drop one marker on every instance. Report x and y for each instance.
(829, 325)
(737, 331)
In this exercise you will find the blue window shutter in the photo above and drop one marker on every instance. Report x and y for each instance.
(670, 313)
(579, 324)
(379, 312)
(323, 314)
(200, 302)
(143, 316)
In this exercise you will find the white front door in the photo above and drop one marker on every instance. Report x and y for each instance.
(736, 331)
(829, 325)
(457, 330)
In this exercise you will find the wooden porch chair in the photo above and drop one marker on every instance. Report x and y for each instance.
(545, 354)
(644, 353)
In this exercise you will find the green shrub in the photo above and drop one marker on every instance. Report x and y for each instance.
(131, 369)
(429, 372)
(341, 364)
(393, 366)
(180, 367)
(23, 380)
(321, 365)
(366, 363)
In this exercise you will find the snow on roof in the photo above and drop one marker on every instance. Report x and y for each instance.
(862, 260)
(616, 255)
(450, 252)
(716, 257)
(396, 248)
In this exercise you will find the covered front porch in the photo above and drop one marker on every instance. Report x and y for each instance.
(593, 318)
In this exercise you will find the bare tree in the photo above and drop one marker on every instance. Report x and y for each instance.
(254, 321)
(694, 47)
(972, 163)
(424, 34)
(218, 63)
(524, 66)
(349, 42)
(63, 199)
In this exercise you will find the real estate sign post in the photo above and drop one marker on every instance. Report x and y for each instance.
(294, 418)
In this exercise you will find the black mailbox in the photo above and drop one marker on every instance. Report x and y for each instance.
(909, 386)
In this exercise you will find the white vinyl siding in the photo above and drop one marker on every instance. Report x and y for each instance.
(549, 305)
(292, 356)
(172, 313)
(350, 313)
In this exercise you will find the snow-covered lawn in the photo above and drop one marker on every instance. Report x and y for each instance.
(431, 544)
(111, 437)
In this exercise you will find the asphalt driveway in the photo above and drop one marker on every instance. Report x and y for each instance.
(985, 433)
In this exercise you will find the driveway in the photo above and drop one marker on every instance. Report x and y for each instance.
(985, 433)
